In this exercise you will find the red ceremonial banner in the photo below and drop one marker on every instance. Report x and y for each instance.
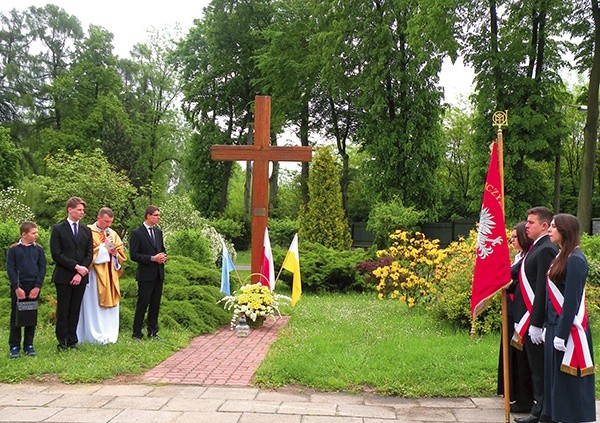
(492, 260)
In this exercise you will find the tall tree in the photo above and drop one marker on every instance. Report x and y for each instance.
(514, 47)
(217, 59)
(586, 25)
(392, 51)
(323, 219)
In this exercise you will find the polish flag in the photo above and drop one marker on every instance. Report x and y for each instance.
(267, 267)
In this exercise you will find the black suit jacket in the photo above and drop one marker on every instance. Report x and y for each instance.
(142, 248)
(67, 253)
(537, 262)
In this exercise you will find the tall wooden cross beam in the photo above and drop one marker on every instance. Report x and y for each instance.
(261, 153)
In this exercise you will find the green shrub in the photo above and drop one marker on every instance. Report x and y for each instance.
(453, 300)
(237, 232)
(386, 218)
(190, 294)
(325, 269)
(282, 231)
(190, 243)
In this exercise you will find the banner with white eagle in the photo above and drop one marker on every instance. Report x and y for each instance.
(492, 260)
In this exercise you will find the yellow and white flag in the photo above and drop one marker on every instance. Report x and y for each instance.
(292, 263)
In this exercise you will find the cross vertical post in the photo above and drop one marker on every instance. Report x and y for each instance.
(261, 153)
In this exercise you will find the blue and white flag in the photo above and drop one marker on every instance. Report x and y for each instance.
(226, 267)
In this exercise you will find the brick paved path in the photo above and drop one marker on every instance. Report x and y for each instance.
(220, 358)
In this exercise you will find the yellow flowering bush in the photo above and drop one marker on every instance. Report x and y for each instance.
(255, 301)
(417, 267)
(453, 297)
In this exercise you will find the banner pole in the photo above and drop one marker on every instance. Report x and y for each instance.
(500, 119)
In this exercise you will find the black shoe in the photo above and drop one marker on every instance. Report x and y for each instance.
(73, 347)
(155, 337)
(138, 337)
(62, 347)
(517, 407)
(29, 350)
(14, 352)
(529, 419)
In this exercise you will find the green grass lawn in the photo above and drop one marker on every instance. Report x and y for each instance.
(355, 343)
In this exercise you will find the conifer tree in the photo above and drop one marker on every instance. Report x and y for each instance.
(324, 221)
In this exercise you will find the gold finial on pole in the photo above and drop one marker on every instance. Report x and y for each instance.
(500, 119)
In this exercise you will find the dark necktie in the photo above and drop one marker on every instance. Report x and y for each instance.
(152, 234)
(75, 230)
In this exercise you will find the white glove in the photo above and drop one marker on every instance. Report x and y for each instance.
(536, 334)
(559, 344)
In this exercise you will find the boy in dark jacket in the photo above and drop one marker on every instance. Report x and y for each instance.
(26, 268)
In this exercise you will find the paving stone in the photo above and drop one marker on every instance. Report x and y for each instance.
(24, 389)
(249, 406)
(420, 414)
(137, 403)
(479, 416)
(337, 398)
(269, 418)
(177, 391)
(83, 415)
(27, 414)
(374, 411)
(127, 390)
(327, 419)
(197, 417)
(308, 408)
(447, 402)
(196, 404)
(395, 402)
(21, 399)
(226, 393)
(79, 388)
(281, 396)
(489, 403)
(145, 416)
(80, 401)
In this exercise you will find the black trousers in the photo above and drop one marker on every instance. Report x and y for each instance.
(15, 333)
(149, 296)
(535, 358)
(68, 299)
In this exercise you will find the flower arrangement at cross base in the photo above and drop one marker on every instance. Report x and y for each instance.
(255, 301)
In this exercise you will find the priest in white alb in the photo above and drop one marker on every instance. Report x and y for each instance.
(99, 316)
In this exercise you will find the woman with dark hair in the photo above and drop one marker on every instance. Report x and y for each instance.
(569, 380)
(519, 374)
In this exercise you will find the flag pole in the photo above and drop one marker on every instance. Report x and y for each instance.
(501, 119)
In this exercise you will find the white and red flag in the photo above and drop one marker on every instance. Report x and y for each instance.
(267, 266)
(492, 260)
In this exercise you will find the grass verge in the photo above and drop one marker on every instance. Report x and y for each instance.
(357, 343)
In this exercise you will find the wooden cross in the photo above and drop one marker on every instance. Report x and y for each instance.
(261, 153)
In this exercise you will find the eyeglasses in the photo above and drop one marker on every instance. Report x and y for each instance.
(155, 214)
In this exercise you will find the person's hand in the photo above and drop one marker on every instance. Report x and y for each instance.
(536, 334)
(81, 270)
(20, 293)
(160, 258)
(34, 293)
(559, 344)
(76, 279)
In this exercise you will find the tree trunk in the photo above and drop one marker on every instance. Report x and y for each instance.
(590, 133)
(304, 123)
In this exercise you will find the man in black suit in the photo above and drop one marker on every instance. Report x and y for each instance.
(71, 249)
(529, 307)
(146, 247)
